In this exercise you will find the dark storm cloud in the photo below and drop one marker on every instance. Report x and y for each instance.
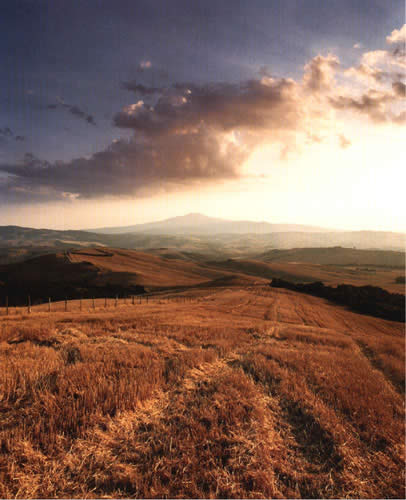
(73, 110)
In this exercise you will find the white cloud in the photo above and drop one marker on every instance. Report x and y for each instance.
(374, 57)
(397, 36)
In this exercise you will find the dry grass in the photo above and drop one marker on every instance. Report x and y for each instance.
(237, 393)
(329, 274)
(152, 270)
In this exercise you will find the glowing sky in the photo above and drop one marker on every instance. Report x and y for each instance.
(116, 113)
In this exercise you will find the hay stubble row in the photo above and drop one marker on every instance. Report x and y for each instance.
(238, 392)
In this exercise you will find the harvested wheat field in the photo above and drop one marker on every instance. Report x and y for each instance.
(226, 392)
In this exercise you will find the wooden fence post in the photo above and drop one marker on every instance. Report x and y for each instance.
(49, 304)
(116, 301)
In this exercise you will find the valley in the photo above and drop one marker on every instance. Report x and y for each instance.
(205, 367)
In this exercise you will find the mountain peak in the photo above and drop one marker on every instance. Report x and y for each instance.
(191, 218)
(197, 223)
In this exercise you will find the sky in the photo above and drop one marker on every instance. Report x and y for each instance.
(128, 111)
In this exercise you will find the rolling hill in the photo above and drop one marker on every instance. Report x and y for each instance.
(332, 266)
(337, 256)
(101, 272)
(148, 270)
(207, 239)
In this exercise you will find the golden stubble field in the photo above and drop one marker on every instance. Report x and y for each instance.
(232, 392)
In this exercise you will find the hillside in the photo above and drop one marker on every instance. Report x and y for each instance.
(149, 270)
(360, 239)
(101, 272)
(337, 256)
(236, 392)
(360, 274)
(20, 243)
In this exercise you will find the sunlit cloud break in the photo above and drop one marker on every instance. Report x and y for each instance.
(187, 133)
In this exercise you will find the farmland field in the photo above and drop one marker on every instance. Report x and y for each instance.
(240, 391)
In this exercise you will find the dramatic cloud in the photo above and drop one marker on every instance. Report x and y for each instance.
(255, 105)
(187, 134)
(124, 169)
(198, 134)
(73, 110)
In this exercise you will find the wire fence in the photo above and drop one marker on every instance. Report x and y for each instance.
(87, 304)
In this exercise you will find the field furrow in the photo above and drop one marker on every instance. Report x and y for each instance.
(238, 392)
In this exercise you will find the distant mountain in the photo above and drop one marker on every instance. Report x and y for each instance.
(195, 223)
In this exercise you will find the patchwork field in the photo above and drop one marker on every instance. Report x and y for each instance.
(219, 392)
(332, 266)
